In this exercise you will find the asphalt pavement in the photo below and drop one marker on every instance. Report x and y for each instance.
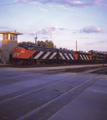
(46, 94)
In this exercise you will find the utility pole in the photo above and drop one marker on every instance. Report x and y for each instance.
(76, 45)
(36, 39)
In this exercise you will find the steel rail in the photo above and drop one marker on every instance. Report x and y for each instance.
(39, 108)
(35, 90)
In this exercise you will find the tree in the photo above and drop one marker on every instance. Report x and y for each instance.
(47, 43)
(41, 43)
(26, 43)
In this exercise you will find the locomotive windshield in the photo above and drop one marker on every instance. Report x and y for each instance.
(23, 45)
(27, 47)
(30, 48)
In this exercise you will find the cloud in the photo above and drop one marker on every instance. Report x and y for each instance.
(92, 29)
(32, 34)
(67, 3)
(84, 37)
(71, 3)
(63, 29)
(65, 7)
(103, 41)
(74, 31)
(24, 1)
(42, 9)
(98, 42)
(74, 3)
(48, 31)
(46, 38)
(100, 3)
(2, 27)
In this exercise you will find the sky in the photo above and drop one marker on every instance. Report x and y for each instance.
(62, 21)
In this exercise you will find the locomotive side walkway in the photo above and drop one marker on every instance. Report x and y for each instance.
(53, 93)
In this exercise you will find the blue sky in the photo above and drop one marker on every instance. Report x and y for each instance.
(62, 21)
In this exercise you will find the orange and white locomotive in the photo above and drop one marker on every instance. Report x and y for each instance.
(29, 54)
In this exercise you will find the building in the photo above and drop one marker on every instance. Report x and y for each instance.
(9, 42)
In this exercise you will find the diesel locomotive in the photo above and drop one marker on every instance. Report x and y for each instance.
(30, 54)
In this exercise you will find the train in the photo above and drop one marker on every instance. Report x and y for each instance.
(34, 54)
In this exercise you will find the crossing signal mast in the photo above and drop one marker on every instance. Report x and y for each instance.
(36, 39)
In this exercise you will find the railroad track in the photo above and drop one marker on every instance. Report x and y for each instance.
(44, 100)
(43, 65)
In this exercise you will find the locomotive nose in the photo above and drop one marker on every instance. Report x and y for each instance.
(17, 52)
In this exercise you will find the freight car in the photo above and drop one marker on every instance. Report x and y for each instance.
(30, 54)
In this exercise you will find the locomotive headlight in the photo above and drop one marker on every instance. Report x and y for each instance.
(22, 51)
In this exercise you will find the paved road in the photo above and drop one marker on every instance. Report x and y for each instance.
(35, 95)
